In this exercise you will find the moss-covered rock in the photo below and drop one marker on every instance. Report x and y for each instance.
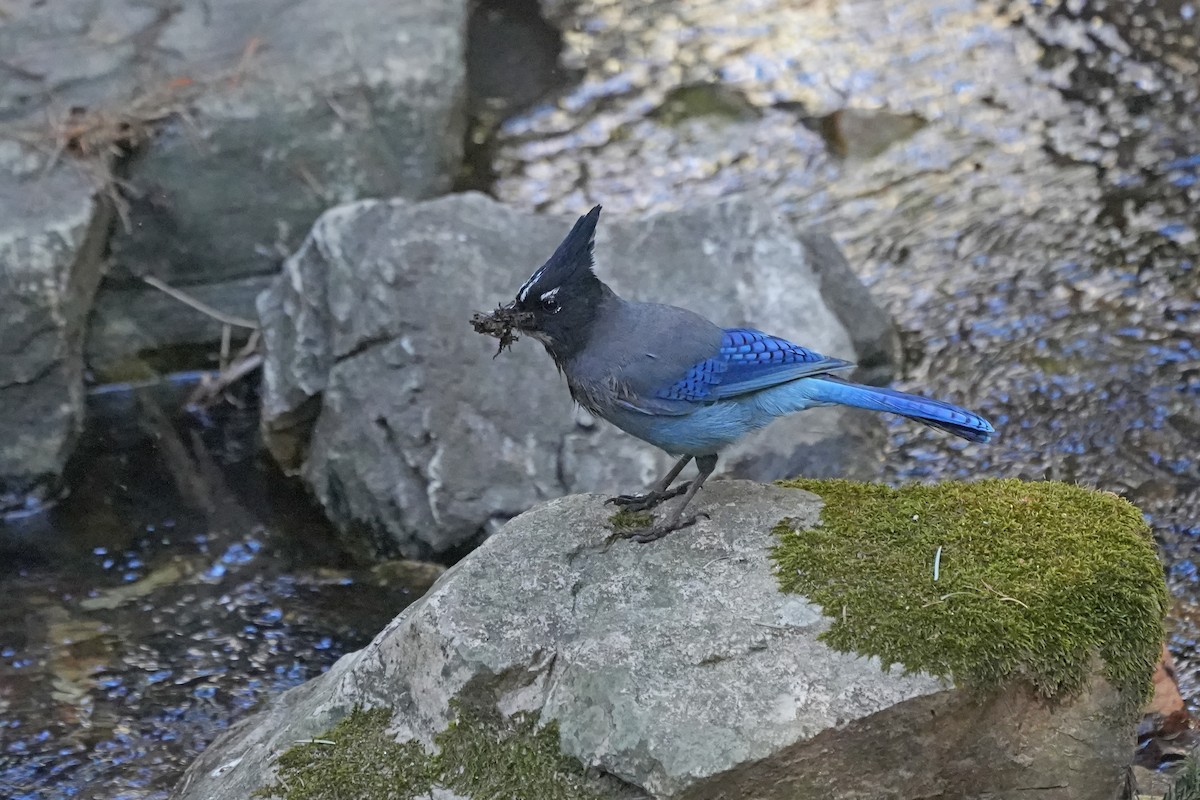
(680, 670)
(356, 758)
(484, 759)
(984, 582)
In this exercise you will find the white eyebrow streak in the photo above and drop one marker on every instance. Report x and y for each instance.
(523, 292)
(550, 294)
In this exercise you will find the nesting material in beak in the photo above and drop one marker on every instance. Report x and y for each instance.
(501, 323)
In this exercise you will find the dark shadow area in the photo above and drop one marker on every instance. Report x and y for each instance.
(512, 64)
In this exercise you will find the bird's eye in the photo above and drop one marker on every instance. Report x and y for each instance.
(549, 305)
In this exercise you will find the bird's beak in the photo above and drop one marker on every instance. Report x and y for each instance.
(520, 321)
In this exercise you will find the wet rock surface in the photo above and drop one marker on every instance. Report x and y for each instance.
(680, 669)
(427, 442)
(52, 234)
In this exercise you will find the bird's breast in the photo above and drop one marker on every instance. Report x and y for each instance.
(595, 396)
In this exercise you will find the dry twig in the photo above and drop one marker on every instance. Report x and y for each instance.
(230, 370)
(212, 387)
(1003, 597)
(203, 308)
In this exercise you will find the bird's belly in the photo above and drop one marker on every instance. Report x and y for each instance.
(706, 430)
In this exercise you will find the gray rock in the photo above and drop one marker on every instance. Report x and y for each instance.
(262, 115)
(679, 668)
(875, 337)
(409, 431)
(340, 102)
(441, 793)
(52, 234)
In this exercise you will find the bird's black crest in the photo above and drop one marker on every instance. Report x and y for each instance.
(572, 255)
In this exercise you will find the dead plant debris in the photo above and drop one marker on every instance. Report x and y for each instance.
(501, 324)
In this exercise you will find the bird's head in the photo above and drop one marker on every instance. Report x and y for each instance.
(560, 301)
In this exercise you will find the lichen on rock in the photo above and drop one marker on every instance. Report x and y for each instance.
(984, 582)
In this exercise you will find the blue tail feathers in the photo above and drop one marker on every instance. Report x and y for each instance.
(934, 413)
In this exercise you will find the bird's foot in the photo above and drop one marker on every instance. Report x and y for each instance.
(652, 533)
(649, 500)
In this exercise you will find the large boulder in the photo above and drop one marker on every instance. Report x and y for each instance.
(680, 669)
(259, 116)
(52, 233)
(409, 431)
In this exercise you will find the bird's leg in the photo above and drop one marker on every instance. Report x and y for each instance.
(706, 465)
(658, 492)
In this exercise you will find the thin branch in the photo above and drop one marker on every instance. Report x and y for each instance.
(247, 360)
(772, 626)
(226, 337)
(1005, 598)
(203, 308)
(311, 181)
(209, 390)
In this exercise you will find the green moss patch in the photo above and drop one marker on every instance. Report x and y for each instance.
(626, 520)
(511, 760)
(484, 760)
(356, 758)
(1034, 581)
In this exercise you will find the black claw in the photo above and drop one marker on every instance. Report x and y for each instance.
(635, 502)
(656, 532)
(647, 501)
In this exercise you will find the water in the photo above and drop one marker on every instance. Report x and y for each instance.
(181, 583)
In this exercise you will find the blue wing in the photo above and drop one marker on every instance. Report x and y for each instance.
(748, 361)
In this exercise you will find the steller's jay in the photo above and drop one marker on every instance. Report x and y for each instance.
(673, 379)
